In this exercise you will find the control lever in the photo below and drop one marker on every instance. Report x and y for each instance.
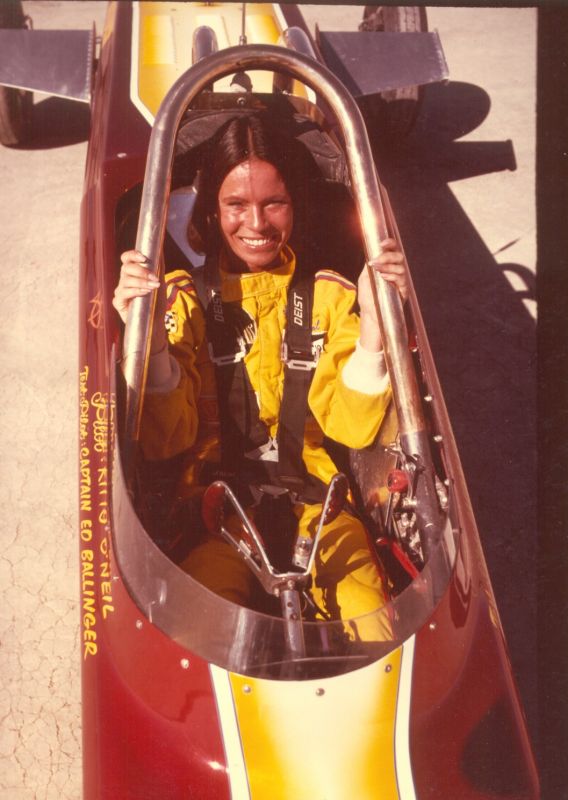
(287, 586)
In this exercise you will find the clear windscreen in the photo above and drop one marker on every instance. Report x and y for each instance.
(245, 641)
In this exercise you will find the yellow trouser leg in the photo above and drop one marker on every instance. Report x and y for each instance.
(346, 580)
(219, 567)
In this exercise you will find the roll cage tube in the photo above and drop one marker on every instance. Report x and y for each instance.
(365, 185)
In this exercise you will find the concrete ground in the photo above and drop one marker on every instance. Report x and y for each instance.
(463, 192)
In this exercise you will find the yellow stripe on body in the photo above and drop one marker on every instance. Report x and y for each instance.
(158, 42)
(162, 43)
(261, 28)
(300, 743)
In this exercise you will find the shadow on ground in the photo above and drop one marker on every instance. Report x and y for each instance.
(57, 122)
(552, 202)
(484, 345)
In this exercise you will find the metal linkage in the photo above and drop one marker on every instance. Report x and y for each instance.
(287, 586)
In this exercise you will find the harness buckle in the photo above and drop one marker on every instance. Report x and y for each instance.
(227, 358)
(297, 359)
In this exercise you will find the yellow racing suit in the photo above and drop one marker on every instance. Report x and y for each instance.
(182, 413)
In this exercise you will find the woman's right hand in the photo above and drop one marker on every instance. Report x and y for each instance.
(136, 280)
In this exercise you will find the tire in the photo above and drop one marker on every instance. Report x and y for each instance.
(394, 112)
(15, 116)
(15, 104)
(12, 14)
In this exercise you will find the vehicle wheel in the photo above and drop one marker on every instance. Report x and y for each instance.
(394, 112)
(15, 116)
(12, 14)
(15, 104)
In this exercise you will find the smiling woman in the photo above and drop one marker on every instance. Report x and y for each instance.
(255, 214)
(219, 381)
(249, 167)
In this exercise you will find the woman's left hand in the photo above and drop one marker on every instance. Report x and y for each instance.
(392, 267)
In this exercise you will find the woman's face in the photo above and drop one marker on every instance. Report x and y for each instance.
(255, 213)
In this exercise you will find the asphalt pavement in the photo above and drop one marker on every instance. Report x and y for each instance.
(463, 192)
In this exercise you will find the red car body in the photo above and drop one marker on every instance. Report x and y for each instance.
(152, 715)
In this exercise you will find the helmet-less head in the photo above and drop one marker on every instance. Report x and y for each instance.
(255, 215)
(250, 191)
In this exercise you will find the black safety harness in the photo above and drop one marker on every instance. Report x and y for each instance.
(249, 458)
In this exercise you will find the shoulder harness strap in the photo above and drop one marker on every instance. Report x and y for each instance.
(241, 428)
(299, 369)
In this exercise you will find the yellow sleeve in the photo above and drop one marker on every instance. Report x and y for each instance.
(170, 419)
(345, 415)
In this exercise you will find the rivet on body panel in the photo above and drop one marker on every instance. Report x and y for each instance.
(139, 624)
(388, 668)
(247, 689)
(184, 663)
(432, 626)
(320, 692)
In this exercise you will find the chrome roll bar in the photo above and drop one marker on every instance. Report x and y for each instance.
(296, 39)
(365, 186)
(204, 43)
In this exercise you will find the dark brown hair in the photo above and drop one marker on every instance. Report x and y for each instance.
(242, 138)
